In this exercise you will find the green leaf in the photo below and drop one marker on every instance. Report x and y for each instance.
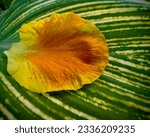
(5, 4)
(122, 92)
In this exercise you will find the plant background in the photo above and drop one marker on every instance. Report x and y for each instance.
(122, 92)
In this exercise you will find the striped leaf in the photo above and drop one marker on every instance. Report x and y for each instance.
(122, 92)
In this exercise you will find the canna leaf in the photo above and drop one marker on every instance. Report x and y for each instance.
(121, 92)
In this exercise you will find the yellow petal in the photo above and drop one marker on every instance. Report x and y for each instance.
(61, 52)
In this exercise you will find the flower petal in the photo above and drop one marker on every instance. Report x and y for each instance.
(61, 52)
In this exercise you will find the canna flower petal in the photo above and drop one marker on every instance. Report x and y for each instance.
(60, 52)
